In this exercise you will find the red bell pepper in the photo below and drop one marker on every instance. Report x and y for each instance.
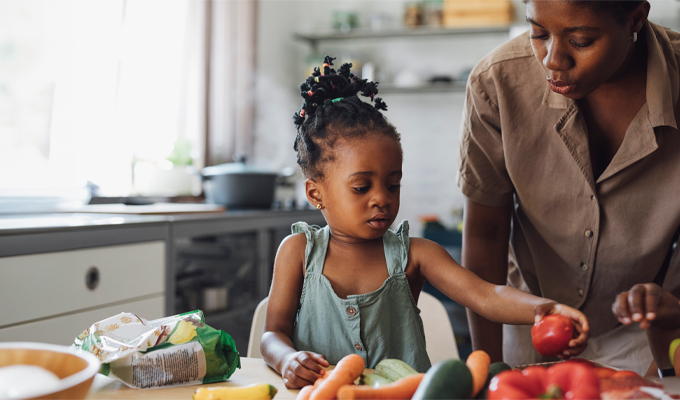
(571, 381)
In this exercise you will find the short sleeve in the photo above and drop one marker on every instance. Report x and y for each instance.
(482, 175)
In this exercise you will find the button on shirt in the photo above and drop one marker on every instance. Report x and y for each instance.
(576, 240)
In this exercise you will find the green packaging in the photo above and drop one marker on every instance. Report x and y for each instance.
(174, 351)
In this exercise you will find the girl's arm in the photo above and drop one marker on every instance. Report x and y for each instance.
(298, 368)
(499, 303)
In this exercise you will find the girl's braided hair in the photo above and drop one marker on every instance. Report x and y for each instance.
(332, 110)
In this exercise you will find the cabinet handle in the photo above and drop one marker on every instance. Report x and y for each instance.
(92, 278)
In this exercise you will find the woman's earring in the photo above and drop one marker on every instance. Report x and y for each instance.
(634, 38)
(319, 206)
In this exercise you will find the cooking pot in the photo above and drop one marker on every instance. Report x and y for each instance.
(238, 186)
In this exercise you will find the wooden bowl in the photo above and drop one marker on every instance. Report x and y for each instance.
(76, 370)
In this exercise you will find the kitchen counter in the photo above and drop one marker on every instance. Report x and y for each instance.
(22, 234)
(13, 224)
(253, 370)
(90, 256)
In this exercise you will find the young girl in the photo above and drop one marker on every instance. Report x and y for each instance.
(353, 286)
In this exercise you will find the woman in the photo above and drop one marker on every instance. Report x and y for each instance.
(569, 131)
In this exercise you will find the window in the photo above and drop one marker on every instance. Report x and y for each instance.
(89, 87)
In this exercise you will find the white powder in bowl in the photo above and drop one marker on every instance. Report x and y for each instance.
(21, 381)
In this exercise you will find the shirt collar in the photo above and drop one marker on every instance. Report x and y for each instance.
(662, 76)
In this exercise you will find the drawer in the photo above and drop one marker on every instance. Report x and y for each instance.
(44, 285)
(63, 330)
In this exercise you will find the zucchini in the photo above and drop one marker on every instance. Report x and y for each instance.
(448, 379)
(494, 369)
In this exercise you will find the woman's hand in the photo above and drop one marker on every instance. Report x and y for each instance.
(303, 368)
(649, 305)
(581, 328)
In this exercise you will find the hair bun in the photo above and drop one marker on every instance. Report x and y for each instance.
(322, 87)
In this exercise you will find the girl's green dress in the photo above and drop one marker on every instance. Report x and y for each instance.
(382, 324)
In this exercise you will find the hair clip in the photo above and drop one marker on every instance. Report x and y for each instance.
(310, 93)
(316, 79)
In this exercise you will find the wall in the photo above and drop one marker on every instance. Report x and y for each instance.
(428, 122)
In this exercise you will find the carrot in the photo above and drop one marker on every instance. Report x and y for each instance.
(305, 392)
(478, 363)
(349, 368)
(403, 389)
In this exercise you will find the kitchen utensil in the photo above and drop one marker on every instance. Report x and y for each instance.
(75, 369)
(239, 186)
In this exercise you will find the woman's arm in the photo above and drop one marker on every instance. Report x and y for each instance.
(486, 233)
(656, 310)
(298, 368)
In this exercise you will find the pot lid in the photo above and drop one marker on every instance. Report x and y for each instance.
(234, 168)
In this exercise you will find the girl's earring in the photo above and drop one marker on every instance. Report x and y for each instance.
(634, 37)
(319, 206)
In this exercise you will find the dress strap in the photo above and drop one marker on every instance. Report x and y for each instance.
(396, 245)
(317, 244)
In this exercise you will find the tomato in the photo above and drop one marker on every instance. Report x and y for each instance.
(551, 335)
(561, 381)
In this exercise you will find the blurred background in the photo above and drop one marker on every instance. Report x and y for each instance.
(148, 102)
(133, 97)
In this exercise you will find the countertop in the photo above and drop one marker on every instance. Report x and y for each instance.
(253, 370)
(12, 224)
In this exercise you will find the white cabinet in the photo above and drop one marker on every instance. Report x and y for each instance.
(62, 330)
(52, 297)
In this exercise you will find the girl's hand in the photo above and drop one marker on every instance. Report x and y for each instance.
(649, 305)
(581, 328)
(303, 368)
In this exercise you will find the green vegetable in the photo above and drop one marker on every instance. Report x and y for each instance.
(374, 380)
(448, 379)
(494, 369)
(394, 369)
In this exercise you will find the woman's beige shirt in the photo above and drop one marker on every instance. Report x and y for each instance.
(574, 239)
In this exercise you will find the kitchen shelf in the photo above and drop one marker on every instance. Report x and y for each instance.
(313, 38)
(458, 86)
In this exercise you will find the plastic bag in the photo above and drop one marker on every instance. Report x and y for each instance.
(179, 350)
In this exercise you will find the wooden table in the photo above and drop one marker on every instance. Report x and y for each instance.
(253, 370)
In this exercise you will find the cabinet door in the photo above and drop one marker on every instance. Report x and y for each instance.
(63, 330)
(45, 285)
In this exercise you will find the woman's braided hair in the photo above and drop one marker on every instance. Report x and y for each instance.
(331, 111)
(619, 9)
